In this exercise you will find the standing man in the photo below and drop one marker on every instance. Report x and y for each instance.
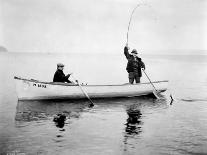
(134, 65)
(59, 76)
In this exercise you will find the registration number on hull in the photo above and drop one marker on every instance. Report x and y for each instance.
(39, 85)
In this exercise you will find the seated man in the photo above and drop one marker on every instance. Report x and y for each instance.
(59, 76)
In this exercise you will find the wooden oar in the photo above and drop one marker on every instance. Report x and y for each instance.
(91, 102)
(155, 90)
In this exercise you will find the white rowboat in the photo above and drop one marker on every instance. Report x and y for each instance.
(29, 89)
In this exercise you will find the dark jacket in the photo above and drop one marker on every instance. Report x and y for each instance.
(134, 63)
(59, 76)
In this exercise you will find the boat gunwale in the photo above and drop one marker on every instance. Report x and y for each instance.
(68, 84)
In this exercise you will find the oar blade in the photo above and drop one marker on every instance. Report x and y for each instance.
(155, 93)
(91, 105)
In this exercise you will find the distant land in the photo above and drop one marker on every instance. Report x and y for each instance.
(114, 52)
(178, 52)
(3, 49)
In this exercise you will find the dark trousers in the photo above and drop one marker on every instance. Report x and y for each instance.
(134, 76)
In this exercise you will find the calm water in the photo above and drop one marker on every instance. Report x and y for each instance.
(126, 126)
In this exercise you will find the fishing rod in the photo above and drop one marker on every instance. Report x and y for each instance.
(128, 41)
(138, 5)
(127, 44)
(130, 21)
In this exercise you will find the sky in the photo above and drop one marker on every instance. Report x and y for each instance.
(101, 25)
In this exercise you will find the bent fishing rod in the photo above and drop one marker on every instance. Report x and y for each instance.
(130, 22)
(127, 44)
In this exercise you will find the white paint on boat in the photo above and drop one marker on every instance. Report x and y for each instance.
(36, 90)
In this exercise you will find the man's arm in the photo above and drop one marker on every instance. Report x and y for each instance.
(142, 64)
(62, 77)
(67, 76)
(126, 51)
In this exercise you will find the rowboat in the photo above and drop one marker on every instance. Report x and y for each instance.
(30, 89)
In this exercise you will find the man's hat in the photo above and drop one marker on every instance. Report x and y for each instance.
(60, 65)
(134, 51)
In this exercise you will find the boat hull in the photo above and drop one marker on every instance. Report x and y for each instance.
(36, 90)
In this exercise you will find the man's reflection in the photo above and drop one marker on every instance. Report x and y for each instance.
(59, 120)
(133, 122)
(133, 126)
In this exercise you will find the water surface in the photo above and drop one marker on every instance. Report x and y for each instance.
(125, 126)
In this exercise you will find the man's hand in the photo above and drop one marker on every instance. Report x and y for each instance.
(69, 74)
(127, 46)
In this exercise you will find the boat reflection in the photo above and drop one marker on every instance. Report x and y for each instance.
(40, 110)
